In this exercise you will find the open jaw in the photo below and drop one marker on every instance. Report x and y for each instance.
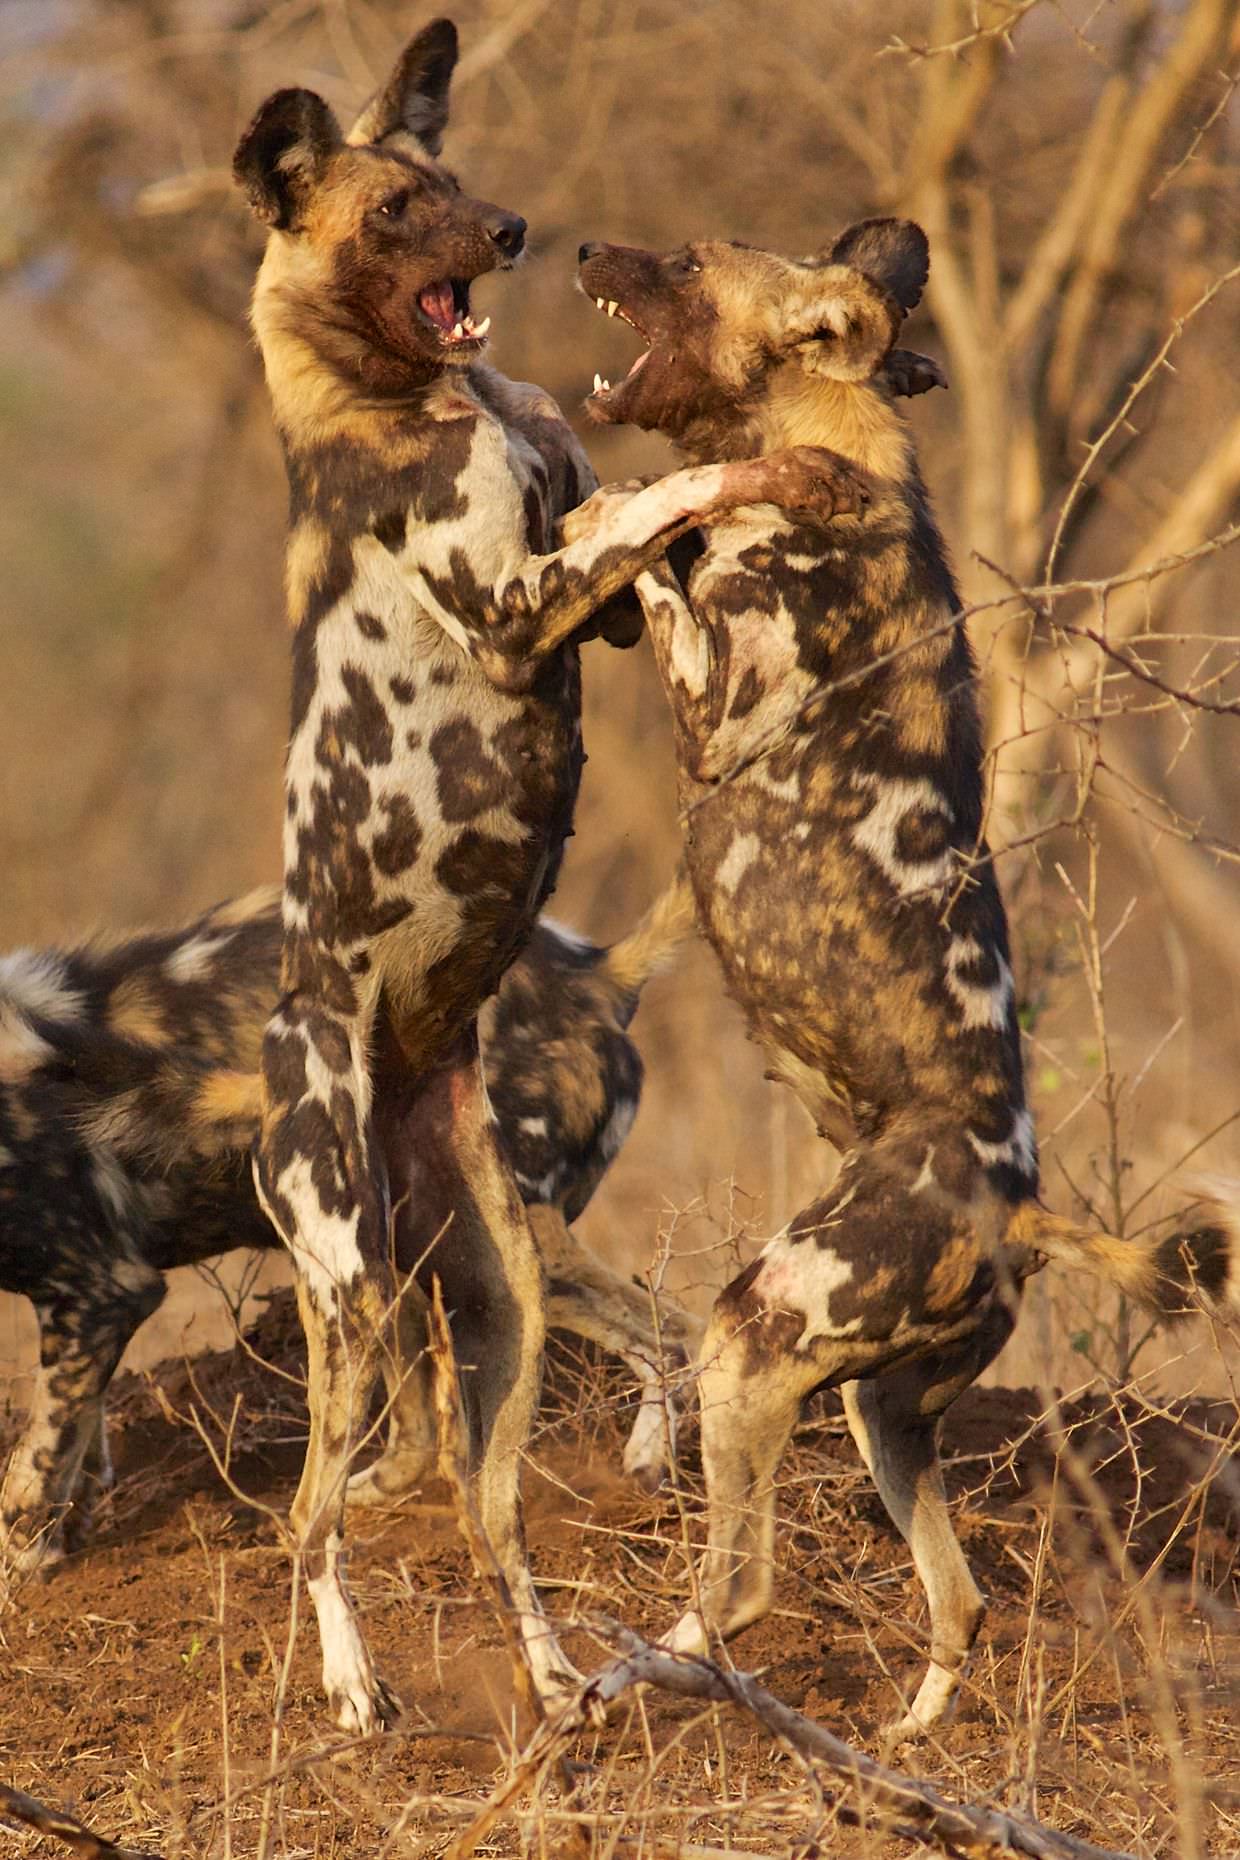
(605, 402)
(444, 308)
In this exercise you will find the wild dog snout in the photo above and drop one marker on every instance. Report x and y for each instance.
(506, 232)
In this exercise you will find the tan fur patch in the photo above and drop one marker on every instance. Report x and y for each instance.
(952, 1274)
(229, 1098)
(308, 546)
(136, 1014)
(814, 410)
(261, 902)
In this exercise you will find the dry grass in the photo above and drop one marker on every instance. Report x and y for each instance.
(1102, 1703)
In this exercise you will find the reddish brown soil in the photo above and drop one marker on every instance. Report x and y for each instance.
(1110, 1569)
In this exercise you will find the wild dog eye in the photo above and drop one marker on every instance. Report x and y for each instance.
(686, 265)
(394, 205)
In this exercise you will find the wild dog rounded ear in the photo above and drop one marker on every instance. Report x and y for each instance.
(415, 97)
(840, 323)
(895, 253)
(281, 157)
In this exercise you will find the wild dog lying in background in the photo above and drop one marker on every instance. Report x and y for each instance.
(129, 1102)
(431, 776)
(829, 748)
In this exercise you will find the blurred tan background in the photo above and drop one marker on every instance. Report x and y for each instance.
(1075, 164)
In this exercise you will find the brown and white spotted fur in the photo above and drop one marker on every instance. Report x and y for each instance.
(431, 774)
(129, 1101)
(829, 749)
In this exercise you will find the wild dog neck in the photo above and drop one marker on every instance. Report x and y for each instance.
(321, 370)
(793, 408)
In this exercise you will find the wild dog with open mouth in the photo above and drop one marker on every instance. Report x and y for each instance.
(829, 750)
(129, 1101)
(431, 775)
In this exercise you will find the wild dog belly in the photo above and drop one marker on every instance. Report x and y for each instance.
(874, 972)
(427, 811)
(736, 660)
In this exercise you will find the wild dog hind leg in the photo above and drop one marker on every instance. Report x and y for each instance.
(894, 1420)
(874, 1279)
(82, 1339)
(491, 1279)
(751, 1384)
(585, 1296)
(315, 1177)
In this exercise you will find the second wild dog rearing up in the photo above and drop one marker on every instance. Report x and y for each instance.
(829, 749)
(433, 766)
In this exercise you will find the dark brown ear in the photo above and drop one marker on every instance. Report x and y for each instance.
(909, 373)
(415, 97)
(895, 253)
(281, 157)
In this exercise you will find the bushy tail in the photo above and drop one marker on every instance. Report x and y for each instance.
(652, 943)
(1194, 1267)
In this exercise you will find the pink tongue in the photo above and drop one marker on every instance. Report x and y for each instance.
(439, 304)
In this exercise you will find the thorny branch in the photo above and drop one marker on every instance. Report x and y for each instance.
(59, 1826)
(879, 1797)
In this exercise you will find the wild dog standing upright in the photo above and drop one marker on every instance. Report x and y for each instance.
(432, 771)
(829, 748)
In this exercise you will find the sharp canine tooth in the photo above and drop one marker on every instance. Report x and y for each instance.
(481, 329)
(457, 331)
(598, 381)
(612, 308)
(599, 302)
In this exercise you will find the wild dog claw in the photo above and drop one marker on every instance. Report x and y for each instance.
(811, 481)
(376, 1709)
(831, 487)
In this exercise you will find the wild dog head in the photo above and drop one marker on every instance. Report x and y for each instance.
(373, 244)
(723, 320)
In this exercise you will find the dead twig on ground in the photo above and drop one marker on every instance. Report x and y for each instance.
(59, 1826)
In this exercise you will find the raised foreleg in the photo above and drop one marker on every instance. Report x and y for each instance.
(540, 601)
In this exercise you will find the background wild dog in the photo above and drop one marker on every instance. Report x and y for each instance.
(128, 1105)
(829, 751)
(431, 775)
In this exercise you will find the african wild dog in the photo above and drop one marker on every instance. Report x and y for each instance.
(828, 742)
(129, 1100)
(431, 775)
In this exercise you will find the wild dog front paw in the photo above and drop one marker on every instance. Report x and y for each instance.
(816, 483)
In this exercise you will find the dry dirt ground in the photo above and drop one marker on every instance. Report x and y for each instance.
(139, 1683)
